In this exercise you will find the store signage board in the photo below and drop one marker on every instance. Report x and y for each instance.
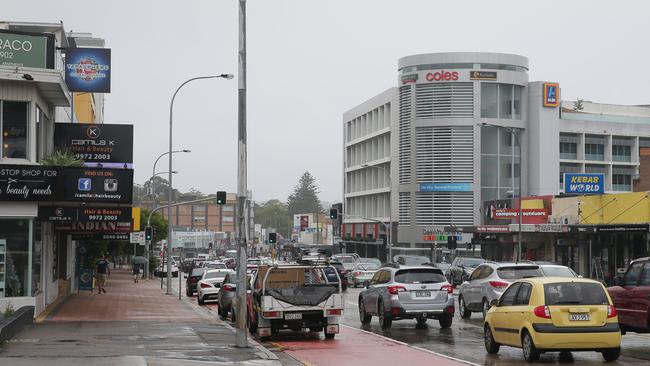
(584, 183)
(482, 75)
(551, 94)
(23, 49)
(137, 237)
(105, 143)
(88, 70)
(100, 236)
(58, 214)
(447, 187)
(97, 185)
(28, 183)
(84, 214)
(86, 227)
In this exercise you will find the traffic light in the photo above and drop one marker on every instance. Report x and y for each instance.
(451, 242)
(148, 233)
(273, 237)
(334, 213)
(221, 197)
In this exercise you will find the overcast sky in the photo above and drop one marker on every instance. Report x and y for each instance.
(309, 61)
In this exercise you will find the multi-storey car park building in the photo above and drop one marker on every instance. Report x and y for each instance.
(430, 152)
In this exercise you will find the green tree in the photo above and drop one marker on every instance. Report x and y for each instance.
(577, 105)
(275, 214)
(304, 198)
(62, 158)
(159, 224)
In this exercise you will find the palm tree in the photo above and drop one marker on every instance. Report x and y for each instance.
(62, 158)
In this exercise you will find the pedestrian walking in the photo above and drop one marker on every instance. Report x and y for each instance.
(103, 270)
(136, 272)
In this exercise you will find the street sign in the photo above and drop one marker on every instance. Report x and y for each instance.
(137, 237)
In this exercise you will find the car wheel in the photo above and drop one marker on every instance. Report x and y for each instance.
(363, 316)
(611, 354)
(445, 321)
(491, 346)
(486, 308)
(462, 308)
(188, 293)
(385, 320)
(531, 354)
(200, 300)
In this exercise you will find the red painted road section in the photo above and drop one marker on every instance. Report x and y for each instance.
(355, 347)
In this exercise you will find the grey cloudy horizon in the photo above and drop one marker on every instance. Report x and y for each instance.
(310, 61)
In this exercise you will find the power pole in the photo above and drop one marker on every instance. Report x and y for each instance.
(240, 337)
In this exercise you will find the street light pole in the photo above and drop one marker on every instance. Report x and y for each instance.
(147, 249)
(169, 177)
(240, 335)
(390, 213)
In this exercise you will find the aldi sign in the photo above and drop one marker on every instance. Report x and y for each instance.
(584, 183)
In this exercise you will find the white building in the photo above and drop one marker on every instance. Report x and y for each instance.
(449, 136)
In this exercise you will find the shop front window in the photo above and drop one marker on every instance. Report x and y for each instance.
(15, 264)
(14, 129)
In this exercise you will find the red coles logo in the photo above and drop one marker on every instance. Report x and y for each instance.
(442, 75)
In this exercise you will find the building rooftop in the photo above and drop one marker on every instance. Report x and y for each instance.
(602, 112)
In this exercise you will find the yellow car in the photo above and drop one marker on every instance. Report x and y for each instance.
(551, 314)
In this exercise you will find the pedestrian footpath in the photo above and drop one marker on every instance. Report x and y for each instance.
(130, 324)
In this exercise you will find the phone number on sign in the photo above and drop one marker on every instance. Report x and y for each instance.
(92, 156)
(103, 218)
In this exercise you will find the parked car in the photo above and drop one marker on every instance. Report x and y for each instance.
(233, 304)
(444, 266)
(210, 284)
(227, 294)
(361, 273)
(215, 265)
(342, 272)
(488, 282)
(407, 292)
(556, 270)
(411, 260)
(161, 270)
(461, 268)
(551, 314)
(631, 297)
(348, 260)
(192, 280)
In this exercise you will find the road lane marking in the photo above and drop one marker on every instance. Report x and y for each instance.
(414, 347)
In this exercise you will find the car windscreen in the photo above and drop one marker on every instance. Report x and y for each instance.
(345, 259)
(367, 267)
(412, 260)
(371, 260)
(575, 293)
(558, 272)
(197, 272)
(473, 262)
(214, 275)
(517, 272)
(419, 275)
(216, 265)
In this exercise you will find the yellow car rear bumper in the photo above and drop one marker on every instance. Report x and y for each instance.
(576, 338)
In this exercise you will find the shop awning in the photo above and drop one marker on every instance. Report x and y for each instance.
(50, 83)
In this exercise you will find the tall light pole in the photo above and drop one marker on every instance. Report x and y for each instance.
(153, 170)
(169, 191)
(390, 213)
(240, 335)
(514, 133)
(148, 242)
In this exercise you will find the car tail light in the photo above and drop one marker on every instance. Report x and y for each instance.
(611, 311)
(357, 273)
(334, 312)
(542, 312)
(450, 309)
(205, 285)
(395, 311)
(229, 288)
(449, 288)
(499, 284)
(394, 290)
(272, 314)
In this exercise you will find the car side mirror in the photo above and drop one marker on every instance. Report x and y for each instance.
(494, 302)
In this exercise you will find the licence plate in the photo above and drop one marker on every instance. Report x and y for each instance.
(292, 316)
(580, 317)
(422, 293)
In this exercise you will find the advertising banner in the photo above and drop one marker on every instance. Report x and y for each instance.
(446, 187)
(97, 185)
(551, 97)
(482, 75)
(88, 70)
(95, 143)
(58, 214)
(22, 49)
(84, 214)
(28, 182)
(584, 183)
(90, 227)
(304, 223)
